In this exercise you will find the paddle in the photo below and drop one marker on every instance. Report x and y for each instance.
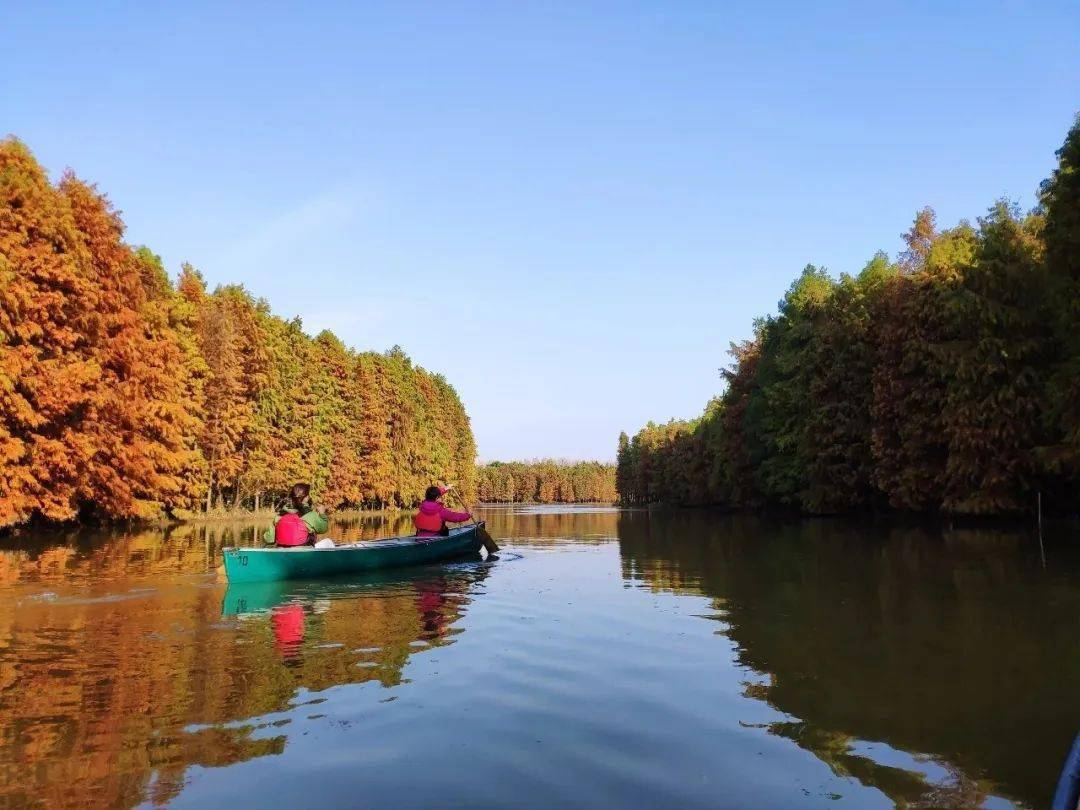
(486, 539)
(481, 531)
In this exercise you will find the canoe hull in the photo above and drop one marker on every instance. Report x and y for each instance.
(271, 564)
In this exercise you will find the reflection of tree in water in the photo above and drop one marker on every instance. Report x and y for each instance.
(103, 556)
(953, 643)
(101, 685)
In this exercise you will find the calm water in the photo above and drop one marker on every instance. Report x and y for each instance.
(609, 658)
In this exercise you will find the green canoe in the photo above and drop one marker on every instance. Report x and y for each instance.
(304, 562)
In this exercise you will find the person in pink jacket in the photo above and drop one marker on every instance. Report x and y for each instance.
(432, 518)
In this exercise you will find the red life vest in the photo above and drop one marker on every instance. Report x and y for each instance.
(425, 522)
(291, 530)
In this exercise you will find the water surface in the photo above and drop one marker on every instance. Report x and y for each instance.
(608, 658)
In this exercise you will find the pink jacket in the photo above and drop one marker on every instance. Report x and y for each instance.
(433, 516)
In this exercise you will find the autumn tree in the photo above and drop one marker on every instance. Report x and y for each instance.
(137, 421)
(732, 476)
(48, 325)
(168, 312)
(997, 364)
(546, 481)
(919, 239)
(1060, 201)
(778, 411)
(838, 369)
(124, 396)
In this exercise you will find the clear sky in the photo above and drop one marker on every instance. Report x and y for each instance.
(569, 208)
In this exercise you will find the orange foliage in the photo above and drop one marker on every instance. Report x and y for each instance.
(49, 378)
(122, 396)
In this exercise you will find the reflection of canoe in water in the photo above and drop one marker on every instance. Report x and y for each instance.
(304, 562)
(242, 598)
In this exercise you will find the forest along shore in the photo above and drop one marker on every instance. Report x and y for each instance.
(128, 396)
(546, 481)
(945, 381)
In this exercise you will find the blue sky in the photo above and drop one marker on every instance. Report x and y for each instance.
(570, 209)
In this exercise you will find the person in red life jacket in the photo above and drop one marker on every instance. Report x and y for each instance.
(432, 518)
(299, 520)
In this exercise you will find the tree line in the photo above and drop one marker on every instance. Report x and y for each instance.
(546, 481)
(124, 395)
(947, 380)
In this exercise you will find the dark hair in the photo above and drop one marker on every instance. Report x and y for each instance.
(298, 497)
(432, 494)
